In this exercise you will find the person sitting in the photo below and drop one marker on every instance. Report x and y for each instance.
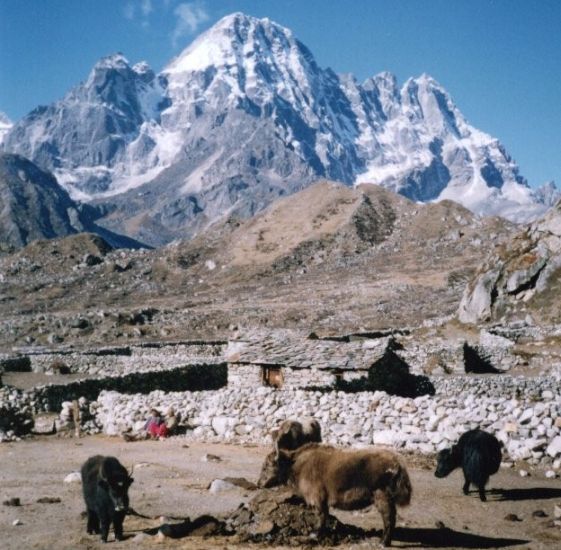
(172, 421)
(155, 426)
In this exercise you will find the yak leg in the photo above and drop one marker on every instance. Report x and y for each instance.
(323, 511)
(465, 488)
(386, 506)
(93, 523)
(118, 525)
(105, 522)
(482, 496)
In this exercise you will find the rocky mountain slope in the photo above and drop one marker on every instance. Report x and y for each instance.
(521, 280)
(330, 258)
(34, 206)
(245, 115)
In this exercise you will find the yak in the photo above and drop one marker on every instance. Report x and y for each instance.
(292, 434)
(105, 484)
(349, 480)
(478, 453)
(289, 436)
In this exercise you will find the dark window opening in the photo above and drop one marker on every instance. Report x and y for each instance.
(272, 376)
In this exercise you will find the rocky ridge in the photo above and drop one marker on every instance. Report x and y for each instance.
(35, 207)
(329, 258)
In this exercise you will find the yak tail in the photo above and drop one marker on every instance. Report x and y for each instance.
(400, 487)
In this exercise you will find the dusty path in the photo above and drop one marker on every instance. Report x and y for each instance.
(171, 479)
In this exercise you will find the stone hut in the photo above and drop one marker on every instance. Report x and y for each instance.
(284, 359)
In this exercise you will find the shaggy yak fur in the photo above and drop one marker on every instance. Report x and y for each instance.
(479, 455)
(105, 484)
(292, 434)
(289, 436)
(349, 480)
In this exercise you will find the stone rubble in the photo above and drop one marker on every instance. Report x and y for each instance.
(16, 415)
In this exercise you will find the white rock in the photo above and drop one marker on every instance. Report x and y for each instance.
(524, 473)
(550, 474)
(223, 424)
(384, 437)
(554, 447)
(74, 477)
(17, 522)
(535, 444)
(219, 485)
(526, 416)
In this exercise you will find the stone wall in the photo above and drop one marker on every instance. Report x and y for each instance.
(125, 359)
(186, 378)
(244, 376)
(524, 414)
(301, 378)
(249, 376)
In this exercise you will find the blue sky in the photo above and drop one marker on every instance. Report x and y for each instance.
(500, 60)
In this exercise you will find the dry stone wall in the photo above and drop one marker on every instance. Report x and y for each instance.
(117, 360)
(249, 376)
(525, 414)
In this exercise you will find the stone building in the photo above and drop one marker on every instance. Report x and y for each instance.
(285, 359)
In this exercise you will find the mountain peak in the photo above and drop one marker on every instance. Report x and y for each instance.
(114, 61)
(244, 115)
(4, 119)
(227, 42)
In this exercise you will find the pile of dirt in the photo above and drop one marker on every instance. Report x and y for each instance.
(202, 526)
(274, 517)
(270, 517)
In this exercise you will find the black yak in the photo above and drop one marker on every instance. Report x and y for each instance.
(105, 484)
(479, 455)
(349, 480)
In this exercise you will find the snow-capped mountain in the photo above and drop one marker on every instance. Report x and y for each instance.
(548, 193)
(84, 138)
(245, 115)
(5, 125)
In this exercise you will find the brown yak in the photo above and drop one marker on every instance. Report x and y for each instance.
(292, 433)
(289, 436)
(349, 480)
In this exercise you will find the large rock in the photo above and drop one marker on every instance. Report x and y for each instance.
(223, 424)
(520, 277)
(554, 448)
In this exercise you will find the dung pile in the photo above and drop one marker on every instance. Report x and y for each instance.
(282, 518)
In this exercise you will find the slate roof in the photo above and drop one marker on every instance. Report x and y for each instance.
(299, 352)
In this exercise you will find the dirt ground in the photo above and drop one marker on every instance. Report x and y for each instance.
(172, 479)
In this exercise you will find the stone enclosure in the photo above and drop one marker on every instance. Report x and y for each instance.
(238, 390)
